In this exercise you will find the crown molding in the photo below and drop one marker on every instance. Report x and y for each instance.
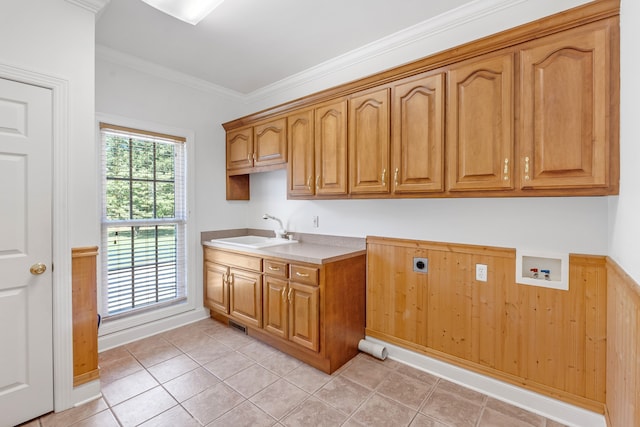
(94, 6)
(446, 22)
(116, 57)
(469, 14)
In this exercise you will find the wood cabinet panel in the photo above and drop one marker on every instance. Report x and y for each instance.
(331, 148)
(316, 316)
(245, 296)
(564, 106)
(551, 341)
(275, 307)
(565, 68)
(418, 134)
(369, 142)
(270, 143)
(480, 124)
(84, 314)
(246, 262)
(240, 149)
(304, 316)
(216, 292)
(301, 172)
(303, 274)
(275, 268)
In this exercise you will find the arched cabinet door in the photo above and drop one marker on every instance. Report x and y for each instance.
(564, 125)
(480, 119)
(418, 134)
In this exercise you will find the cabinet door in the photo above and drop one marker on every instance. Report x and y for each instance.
(564, 103)
(216, 292)
(270, 143)
(240, 149)
(275, 306)
(301, 174)
(331, 148)
(304, 315)
(418, 134)
(245, 296)
(369, 143)
(480, 124)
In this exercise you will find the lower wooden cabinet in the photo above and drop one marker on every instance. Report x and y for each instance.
(315, 313)
(216, 290)
(303, 315)
(291, 311)
(245, 296)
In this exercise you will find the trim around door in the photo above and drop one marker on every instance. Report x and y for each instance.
(63, 391)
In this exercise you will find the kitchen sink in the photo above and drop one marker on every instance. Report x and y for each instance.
(254, 242)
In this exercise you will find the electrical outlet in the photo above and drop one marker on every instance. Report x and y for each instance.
(481, 272)
(316, 221)
(420, 265)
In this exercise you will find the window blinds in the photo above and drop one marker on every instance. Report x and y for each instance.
(143, 219)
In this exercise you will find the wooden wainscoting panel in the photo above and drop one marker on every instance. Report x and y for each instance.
(551, 341)
(85, 314)
(623, 348)
(396, 296)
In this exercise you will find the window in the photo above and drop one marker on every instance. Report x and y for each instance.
(143, 220)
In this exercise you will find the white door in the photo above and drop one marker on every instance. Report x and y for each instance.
(26, 353)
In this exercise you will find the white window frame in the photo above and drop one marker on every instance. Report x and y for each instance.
(119, 330)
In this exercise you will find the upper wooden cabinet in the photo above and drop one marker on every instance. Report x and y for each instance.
(480, 124)
(317, 142)
(564, 107)
(531, 111)
(418, 134)
(270, 143)
(331, 148)
(301, 172)
(240, 149)
(369, 140)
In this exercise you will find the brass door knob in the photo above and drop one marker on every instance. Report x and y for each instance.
(38, 268)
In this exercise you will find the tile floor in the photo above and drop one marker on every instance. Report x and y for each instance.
(206, 374)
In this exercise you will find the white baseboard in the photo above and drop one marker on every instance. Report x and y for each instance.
(564, 413)
(118, 338)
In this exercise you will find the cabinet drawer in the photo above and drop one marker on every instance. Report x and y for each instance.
(275, 268)
(308, 275)
(236, 260)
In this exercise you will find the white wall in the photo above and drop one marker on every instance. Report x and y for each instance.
(56, 38)
(624, 210)
(577, 225)
(131, 94)
(53, 40)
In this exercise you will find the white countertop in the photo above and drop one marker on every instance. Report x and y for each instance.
(309, 252)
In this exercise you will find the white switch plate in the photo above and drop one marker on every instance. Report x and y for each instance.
(481, 272)
(316, 221)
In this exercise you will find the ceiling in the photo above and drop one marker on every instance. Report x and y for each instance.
(245, 45)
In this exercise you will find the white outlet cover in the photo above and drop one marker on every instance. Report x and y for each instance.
(481, 272)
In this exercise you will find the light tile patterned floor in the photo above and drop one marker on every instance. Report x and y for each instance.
(206, 374)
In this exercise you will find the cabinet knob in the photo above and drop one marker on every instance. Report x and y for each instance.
(302, 274)
(526, 168)
(318, 182)
(395, 177)
(506, 169)
(384, 175)
(289, 295)
(309, 182)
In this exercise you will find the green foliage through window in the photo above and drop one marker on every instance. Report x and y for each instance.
(143, 221)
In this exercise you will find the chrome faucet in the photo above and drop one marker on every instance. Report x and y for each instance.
(281, 233)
